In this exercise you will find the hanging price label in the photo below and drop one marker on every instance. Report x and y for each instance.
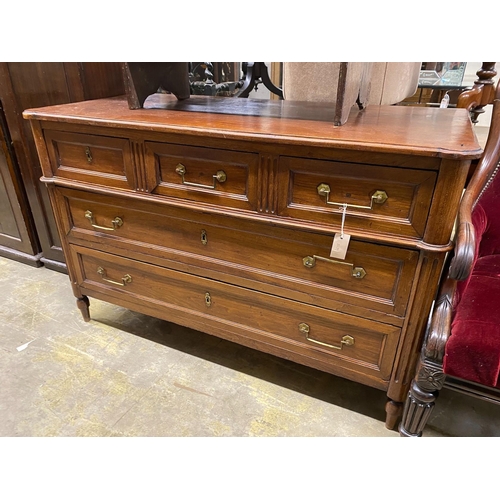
(339, 246)
(340, 240)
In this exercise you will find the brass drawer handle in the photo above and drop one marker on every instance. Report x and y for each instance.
(378, 197)
(117, 222)
(220, 176)
(356, 272)
(346, 339)
(88, 154)
(126, 279)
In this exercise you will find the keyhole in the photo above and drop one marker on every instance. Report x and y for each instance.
(204, 238)
(88, 154)
(208, 300)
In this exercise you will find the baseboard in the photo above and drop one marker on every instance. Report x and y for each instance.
(24, 258)
(55, 265)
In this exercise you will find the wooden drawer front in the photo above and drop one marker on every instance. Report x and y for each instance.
(367, 347)
(226, 178)
(91, 158)
(372, 276)
(403, 213)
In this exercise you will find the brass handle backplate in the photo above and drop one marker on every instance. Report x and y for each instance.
(117, 222)
(347, 340)
(378, 197)
(356, 272)
(88, 154)
(220, 176)
(126, 279)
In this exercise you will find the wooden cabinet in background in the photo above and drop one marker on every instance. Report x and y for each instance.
(27, 229)
(18, 239)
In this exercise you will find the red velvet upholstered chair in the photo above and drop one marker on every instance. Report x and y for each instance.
(462, 345)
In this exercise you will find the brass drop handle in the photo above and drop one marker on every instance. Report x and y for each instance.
(347, 340)
(88, 154)
(126, 279)
(356, 272)
(220, 176)
(378, 197)
(117, 222)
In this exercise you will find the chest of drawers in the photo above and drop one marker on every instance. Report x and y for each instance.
(219, 214)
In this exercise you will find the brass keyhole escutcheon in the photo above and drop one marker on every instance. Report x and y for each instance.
(204, 237)
(88, 154)
(208, 300)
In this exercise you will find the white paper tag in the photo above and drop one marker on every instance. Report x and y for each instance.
(445, 101)
(340, 245)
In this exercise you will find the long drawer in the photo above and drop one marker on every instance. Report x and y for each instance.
(322, 336)
(385, 200)
(375, 277)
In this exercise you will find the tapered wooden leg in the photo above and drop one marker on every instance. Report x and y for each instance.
(393, 411)
(84, 304)
(420, 403)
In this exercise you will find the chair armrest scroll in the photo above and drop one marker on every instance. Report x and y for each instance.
(465, 245)
(440, 323)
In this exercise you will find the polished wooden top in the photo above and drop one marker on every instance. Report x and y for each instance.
(445, 133)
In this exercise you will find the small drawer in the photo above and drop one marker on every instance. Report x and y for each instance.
(90, 158)
(313, 333)
(296, 263)
(384, 200)
(215, 176)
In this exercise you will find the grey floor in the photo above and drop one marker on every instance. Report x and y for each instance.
(126, 374)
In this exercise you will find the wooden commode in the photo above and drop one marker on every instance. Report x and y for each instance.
(220, 214)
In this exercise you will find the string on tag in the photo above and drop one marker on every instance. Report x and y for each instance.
(341, 240)
(344, 210)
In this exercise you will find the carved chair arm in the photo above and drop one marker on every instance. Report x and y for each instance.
(440, 323)
(465, 241)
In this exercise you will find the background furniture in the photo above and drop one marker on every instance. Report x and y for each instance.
(18, 238)
(431, 91)
(462, 346)
(27, 228)
(221, 214)
(215, 79)
(194, 78)
(344, 84)
(255, 73)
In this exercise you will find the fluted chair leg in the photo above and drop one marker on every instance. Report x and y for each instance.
(421, 399)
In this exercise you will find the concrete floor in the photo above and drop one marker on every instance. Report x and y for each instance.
(126, 374)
